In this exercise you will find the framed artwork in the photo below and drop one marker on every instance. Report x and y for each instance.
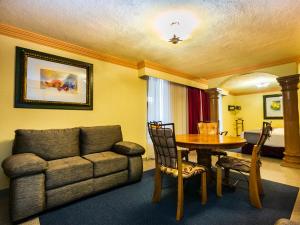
(273, 106)
(47, 81)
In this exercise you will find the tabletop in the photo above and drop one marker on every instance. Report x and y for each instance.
(209, 141)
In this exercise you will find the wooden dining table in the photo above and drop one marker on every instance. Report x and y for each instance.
(204, 144)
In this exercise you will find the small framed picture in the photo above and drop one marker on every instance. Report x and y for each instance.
(52, 82)
(273, 106)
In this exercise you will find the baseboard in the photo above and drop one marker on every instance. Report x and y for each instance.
(4, 192)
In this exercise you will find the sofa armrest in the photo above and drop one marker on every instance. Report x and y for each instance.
(128, 148)
(23, 164)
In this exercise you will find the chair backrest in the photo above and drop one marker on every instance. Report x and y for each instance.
(163, 138)
(264, 135)
(208, 128)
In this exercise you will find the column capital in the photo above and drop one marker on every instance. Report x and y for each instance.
(213, 92)
(289, 82)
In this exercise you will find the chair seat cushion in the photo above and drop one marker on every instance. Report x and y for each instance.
(65, 171)
(188, 169)
(234, 163)
(107, 162)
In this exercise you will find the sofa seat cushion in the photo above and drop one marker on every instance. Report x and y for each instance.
(65, 171)
(107, 162)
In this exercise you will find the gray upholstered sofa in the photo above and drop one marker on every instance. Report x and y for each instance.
(49, 168)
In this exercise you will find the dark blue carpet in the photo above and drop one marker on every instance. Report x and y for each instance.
(131, 205)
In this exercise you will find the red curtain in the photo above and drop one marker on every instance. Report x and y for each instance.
(194, 109)
(205, 109)
(198, 108)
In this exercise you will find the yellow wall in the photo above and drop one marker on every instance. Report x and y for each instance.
(251, 112)
(252, 104)
(119, 98)
(228, 117)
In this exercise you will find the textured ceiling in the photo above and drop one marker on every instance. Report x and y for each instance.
(230, 33)
(250, 83)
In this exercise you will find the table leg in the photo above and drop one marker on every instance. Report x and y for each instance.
(204, 158)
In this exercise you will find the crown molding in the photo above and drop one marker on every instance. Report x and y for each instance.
(161, 68)
(15, 32)
(255, 91)
(251, 68)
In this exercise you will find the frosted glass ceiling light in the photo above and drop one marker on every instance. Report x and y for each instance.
(175, 26)
(262, 84)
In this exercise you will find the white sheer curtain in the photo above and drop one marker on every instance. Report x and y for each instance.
(179, 108)
(167, 102)
(159, 100)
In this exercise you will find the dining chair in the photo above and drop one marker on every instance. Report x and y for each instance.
(252, 168)
(168, 160)
(212, 128)
(185, 153)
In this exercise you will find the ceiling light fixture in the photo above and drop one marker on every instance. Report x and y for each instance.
(175, 39)
(262, 84)
(175, 26)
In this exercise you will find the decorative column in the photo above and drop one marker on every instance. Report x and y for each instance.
(289, 85)
(213, 103)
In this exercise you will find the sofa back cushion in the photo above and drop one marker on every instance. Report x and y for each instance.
(99, 139)
(48, 144)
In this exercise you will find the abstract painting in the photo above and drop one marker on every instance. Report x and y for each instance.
(52, 82)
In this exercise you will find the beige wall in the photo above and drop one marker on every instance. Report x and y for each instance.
(119, 98)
